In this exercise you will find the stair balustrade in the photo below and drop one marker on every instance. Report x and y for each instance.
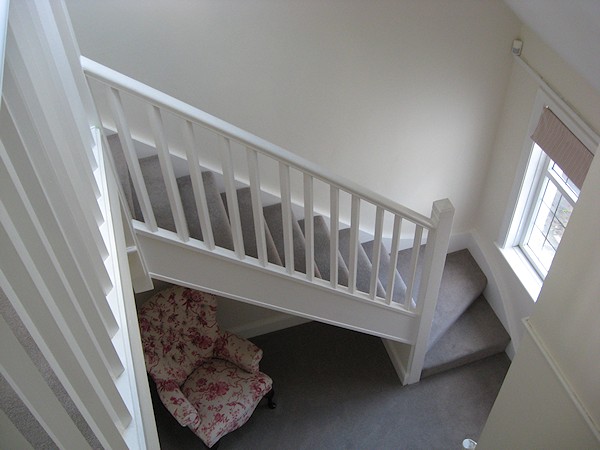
(234, 145)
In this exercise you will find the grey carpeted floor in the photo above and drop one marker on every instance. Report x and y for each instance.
(336, 389)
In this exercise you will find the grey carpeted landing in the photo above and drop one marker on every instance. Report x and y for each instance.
(336, 389)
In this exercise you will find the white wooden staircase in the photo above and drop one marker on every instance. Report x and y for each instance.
(167, 145)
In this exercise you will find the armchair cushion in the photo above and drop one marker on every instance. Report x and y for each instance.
(224, 396)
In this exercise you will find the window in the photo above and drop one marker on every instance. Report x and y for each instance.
(554, 163)
(555, 196)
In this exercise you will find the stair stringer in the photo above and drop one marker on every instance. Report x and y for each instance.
(271, 287)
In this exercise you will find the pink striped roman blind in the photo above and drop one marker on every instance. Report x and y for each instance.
(563, 147)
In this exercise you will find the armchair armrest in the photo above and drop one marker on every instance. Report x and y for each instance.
(177, 404)
(239, 351)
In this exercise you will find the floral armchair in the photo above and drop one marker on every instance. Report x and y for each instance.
(208, 379)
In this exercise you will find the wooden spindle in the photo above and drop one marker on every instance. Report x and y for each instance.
(232, 200)
(131, 158)
(166, 168)
(286, 215)
(389, 291)
(309, 229)
(198, 184)
(257, 208)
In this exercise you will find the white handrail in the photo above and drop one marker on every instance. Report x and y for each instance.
(188, 112)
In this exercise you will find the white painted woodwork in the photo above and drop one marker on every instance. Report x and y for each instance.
(191, 149)
(375, 257)
(63, 60)
(412, 273)
(138, 270)
(47, 66)
(309, 227)
(389, 290)
(353, 245)
(232, 200)
(57, 343)
(334, 224)
(146, 93)
(80, 312)
(4, 7)
(438, 226)
(132, 384)
(289, 294)
(57, 128)
(434, 258)
(27, 382)
(71, 48)
(166, 167)
(257, 207)
(22, 95)
(61, 236)
(286, 216)
(130, 154)
(36, 167)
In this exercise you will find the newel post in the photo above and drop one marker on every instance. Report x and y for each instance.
(442, 214)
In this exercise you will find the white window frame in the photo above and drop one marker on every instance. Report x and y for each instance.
(544, 171)
(525, 192)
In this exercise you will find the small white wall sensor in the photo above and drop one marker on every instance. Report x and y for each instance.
(517, 46)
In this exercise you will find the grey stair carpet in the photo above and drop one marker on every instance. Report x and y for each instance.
(122, 171)
(274, 220)
(363, 264)
(216, 210)
(322, 251)
(157, 192)
(384, 267)
(477, 334)
(248, 230)
(462, 282)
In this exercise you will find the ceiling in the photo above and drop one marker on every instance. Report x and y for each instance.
(571, 28)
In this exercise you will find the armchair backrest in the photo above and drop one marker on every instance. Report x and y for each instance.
(179, 330)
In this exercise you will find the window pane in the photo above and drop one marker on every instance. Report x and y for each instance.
(543, 219)
(564, 211)
(555, 234)
(548, 223)
(547, 255)
(551, 195)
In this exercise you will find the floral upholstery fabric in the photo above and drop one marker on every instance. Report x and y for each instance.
(181, 341)
(225, 397)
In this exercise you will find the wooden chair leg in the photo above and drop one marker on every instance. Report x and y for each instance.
(270, 396)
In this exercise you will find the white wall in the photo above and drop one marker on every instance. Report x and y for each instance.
(512, 132)
(402, 96)
(550, 398)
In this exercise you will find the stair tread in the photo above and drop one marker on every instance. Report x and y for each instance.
(363, 264)
(274, 220)
(218, 216)
(248, 230)
(116, 149)
(384, 267)
(322, 251)
(477, 334)
(157, 192)
(462, 282)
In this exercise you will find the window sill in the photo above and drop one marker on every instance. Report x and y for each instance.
(522, 268)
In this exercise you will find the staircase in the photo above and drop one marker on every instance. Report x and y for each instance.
(215, 226)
